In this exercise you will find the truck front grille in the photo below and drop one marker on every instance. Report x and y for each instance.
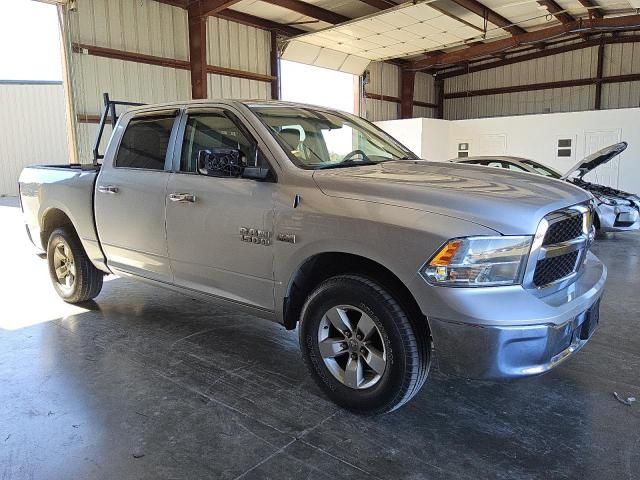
(550, 270)
(563, 247)
(564, 230)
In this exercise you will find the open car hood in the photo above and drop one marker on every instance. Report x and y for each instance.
(596, 159)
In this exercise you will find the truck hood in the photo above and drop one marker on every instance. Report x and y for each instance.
(510, 203)
(596, 159)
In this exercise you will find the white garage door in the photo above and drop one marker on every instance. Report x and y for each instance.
(33, 129)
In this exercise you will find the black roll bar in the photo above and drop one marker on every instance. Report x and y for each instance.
(109, 110)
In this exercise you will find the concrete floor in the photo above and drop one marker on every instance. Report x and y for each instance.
(146, 383)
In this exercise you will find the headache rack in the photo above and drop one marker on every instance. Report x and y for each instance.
(108, 111)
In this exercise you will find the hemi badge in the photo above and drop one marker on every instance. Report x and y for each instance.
(286, 237)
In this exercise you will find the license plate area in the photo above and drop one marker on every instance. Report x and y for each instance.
(592, 317)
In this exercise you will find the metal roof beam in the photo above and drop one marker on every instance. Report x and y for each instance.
(594, 10)
(259, 22)
(593, 25)
(209, 7)
(490, 15)
(244, 18)
(175, 3)
(557, 11)
(630, 77)
(310, 10)
(380, 4)
(518, 58)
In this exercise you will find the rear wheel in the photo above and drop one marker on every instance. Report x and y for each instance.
(74, 277)
(361, 347)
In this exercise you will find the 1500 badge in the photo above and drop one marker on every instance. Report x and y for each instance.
(253, 235)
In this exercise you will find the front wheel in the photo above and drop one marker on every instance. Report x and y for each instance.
(361, 347)
(74, 277)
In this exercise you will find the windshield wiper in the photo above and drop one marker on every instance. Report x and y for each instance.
(348, 163)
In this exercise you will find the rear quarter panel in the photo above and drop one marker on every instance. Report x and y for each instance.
(44, 189)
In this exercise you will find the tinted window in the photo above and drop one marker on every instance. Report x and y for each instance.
(213, 130)
(144, 143)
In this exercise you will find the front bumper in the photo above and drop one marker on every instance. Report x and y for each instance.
(618, 218)
(510, 332)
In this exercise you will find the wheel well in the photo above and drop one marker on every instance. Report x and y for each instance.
(325, 265)
(53, 218)
(596, 221)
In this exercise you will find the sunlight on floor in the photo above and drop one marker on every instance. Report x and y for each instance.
(22, 277)
(15, 316)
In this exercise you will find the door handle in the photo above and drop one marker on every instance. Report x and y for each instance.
(182, 197)
(107, 189)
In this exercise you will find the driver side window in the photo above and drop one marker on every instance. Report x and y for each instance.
(213, 131)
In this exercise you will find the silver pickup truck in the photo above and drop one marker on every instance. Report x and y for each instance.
(317, 219)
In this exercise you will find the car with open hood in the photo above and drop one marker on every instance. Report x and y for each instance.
(616, 210)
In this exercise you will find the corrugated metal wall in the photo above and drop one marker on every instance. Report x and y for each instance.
(237, 46)
(140, 26)
(619, 59)
(540, 101)
(153, 28)
(424, 91)
(565, 66)
(385, 80)
(30, 110)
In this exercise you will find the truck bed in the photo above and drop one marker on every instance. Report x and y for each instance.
(72, 166)
(54, 190)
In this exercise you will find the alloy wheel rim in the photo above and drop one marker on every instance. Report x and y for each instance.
(352, 347)
(64, 265)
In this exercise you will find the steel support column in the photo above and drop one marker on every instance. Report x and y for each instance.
(599, 73)
(275, 67)
(198, 53)
(407, 81)
(439, 98)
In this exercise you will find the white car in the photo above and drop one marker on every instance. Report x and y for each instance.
(617, 211)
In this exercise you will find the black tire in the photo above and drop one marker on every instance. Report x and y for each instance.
(406, 341)
(87, 281)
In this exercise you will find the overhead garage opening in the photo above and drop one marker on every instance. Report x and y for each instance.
(40, 43)
(31, 90)
(319, 86)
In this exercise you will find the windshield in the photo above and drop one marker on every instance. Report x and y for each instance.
(318, 138)
(541, 169)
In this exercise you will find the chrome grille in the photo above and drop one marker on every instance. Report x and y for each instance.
(549, 270)
(564, 230)
(560, 246)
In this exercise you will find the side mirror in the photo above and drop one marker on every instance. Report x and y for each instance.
(221, 162)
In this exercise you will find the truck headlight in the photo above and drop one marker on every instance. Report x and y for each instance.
(479, 262)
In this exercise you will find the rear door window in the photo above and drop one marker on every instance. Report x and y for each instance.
(145, 142)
